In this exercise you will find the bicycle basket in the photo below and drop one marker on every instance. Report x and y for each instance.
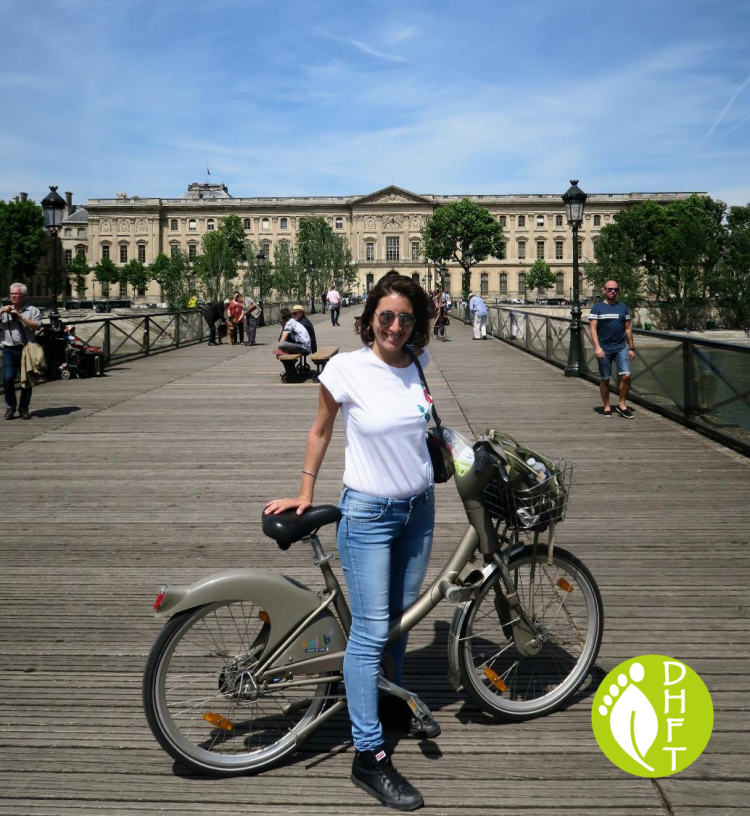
(537, 491)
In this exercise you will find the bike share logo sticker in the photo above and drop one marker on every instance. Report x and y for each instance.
(652, 716)
(318, 643)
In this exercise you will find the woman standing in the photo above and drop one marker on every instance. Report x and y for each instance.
(385, 534)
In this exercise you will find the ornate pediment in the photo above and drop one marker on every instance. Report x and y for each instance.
(392, 195)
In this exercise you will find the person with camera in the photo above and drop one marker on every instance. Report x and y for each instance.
(384, 537)
(19, 323)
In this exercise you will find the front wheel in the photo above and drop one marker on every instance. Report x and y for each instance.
(562, 598)
(206, 705)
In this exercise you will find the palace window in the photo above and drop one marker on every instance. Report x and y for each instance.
(105, 289)
(123, 289)
(484, 283)
(173, 224)
(105, 250)
(521, 220)
(580, 249)
(597, 220)
(68, 256)
(503, 283)
(173, 249)
(447, 282)
(415, 250)
(192, 251)
(540, 250)
(81, 232)
(503, 220)
(123, 253)
(370, 281)
(267, 250)
(210, 225)
(415, 277)
(246, 224)
(558, 250)
(68, 232)
(522, 282)
(142, 253)
(81, 250)
(560, 290)
(264, 224)
(558, 221)
(370, 251)
(522, 249)
(339, 223)
(192, 226)
(392, 249)
(540, 220)
(284, 223)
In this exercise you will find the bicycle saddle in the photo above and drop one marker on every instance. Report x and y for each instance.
(286, 528)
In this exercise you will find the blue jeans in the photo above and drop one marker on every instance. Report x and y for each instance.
(12, 365)
(335, 312)
(384, 545)
(622, 361)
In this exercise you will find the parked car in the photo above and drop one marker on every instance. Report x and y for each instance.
(557, 302)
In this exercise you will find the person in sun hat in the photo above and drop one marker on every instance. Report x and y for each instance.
(298, 313)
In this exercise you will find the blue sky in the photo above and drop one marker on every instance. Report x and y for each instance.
(344, 98)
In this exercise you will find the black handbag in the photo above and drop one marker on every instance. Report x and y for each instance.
(440, 454)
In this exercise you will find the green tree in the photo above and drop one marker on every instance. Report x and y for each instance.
(106, 273)
(286, 272)
(135, 274)
(464, 232)
(231, 226)
(315, 256)
(344, 270)
(21, 240)
(731, 284)
(216, 266)
(78, 272)
(540, 276)
(173, 275)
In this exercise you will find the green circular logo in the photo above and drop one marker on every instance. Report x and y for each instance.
(652, 716)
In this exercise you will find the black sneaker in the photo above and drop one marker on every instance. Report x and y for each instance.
(373, 772)
(625, 413)
(9, 413)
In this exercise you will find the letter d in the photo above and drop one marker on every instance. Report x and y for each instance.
(667, 664)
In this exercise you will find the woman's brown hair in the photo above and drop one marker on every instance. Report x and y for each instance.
(399, 285)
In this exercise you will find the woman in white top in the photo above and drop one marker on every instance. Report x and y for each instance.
(385, 534)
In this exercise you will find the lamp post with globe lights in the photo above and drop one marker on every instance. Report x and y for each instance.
(575, 201)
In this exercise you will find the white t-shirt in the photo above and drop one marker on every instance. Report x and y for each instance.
(386, 412)
(297, 333)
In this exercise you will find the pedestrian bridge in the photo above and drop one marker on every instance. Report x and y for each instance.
(159, 472)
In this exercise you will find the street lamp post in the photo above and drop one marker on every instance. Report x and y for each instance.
(53, 207)
(260, 259)
(442, 271)
(313, 293)
(575, 200)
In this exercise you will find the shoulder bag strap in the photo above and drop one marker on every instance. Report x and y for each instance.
(426, 387)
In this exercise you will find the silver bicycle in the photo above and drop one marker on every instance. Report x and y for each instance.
(249, 663)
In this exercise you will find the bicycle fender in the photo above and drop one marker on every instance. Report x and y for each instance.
(286, 602)
(454, 641)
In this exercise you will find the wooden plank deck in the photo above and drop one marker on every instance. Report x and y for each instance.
(159, 472)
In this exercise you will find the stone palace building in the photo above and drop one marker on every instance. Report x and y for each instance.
(383, 230)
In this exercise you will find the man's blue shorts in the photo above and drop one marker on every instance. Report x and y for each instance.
(622, 361)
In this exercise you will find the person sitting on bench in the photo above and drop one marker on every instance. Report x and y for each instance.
(298, 313)
(294, 340)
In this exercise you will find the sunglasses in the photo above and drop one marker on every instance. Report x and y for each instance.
(612, 288)
(405, 320)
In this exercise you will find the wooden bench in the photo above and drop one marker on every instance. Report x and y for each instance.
(296, 367)
(321, 358)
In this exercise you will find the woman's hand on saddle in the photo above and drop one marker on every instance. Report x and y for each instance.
(276, 506)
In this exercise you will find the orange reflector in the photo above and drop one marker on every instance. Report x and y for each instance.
(218, 721)
(495, 680)
(564, 585)
(263, 615)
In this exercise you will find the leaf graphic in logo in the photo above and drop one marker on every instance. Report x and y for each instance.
(633, 721)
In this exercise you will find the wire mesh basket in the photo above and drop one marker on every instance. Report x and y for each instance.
(532, 500)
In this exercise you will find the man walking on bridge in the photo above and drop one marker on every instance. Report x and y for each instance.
(612, 335)
(19, 323)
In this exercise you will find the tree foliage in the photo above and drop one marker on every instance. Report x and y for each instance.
(314, 249)
(173, 275)
(461, 228)
(106, 273)
(216, 266)
(540, 276)
(21, 240)
(286, 278)
(135, 274)
(231, 226)
(78, 271)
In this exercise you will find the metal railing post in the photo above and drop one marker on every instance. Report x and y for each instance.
(177, 330)
(548, 337)
(689, 384)
(146, 338)
(107, 341)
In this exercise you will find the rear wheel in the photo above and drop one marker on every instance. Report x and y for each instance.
(564, 601)
(203, 702)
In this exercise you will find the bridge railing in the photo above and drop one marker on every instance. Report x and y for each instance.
(704, 384)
